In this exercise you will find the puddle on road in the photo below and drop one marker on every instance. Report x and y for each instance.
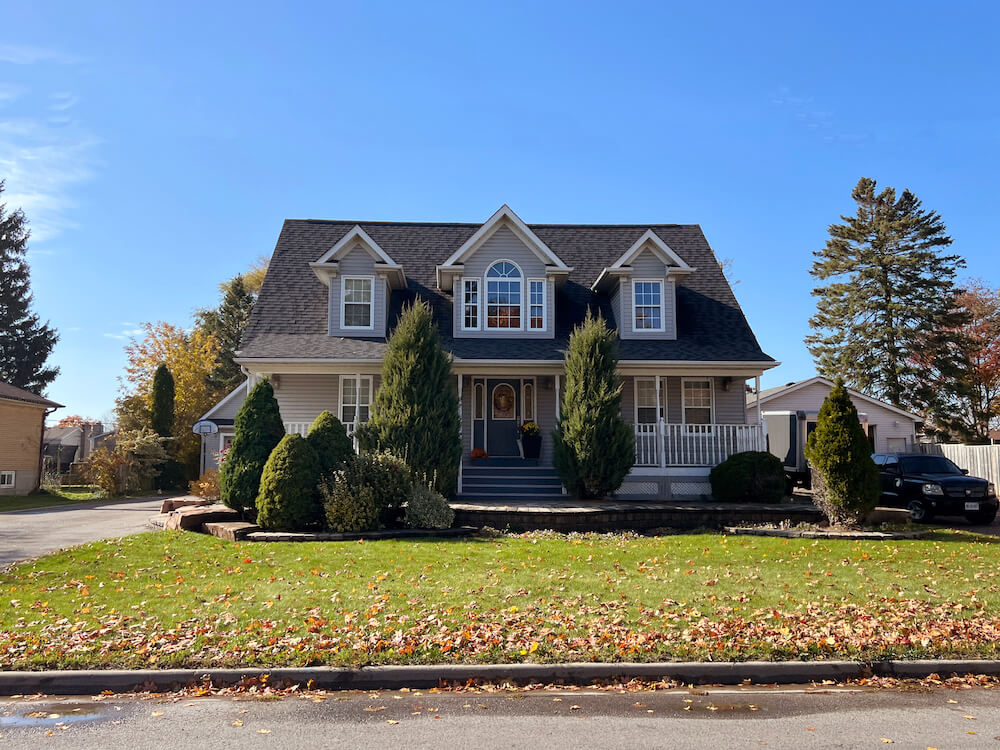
(54, 714)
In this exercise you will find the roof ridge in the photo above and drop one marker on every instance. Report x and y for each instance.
(352, 222)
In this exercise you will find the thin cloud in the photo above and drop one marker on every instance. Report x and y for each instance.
(10, 91)
(27, 54)
(126, 334)
(62, 100)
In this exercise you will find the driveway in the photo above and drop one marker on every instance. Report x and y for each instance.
(29, 533)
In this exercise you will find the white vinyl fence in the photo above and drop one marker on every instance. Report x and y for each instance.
(981, 460)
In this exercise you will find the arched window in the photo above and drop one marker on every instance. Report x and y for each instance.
(503, 295)
(479, 402)
(528, 410)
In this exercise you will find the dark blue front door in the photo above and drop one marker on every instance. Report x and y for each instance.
(503, 411)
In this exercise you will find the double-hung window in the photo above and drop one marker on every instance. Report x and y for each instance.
(503, 296)
(647, 305)
(536, 304)
(647, 409)
(355, 399)
(7, 479)
(698, 401)
(470, 304)
(357, 305)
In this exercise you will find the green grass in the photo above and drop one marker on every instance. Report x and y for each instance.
(192, 600)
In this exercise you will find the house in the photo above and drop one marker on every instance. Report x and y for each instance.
(22, 422)
(68, 444)
(789, 413)
(506, 296)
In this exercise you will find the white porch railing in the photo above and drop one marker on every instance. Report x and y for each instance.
(666, 444)
(302, 428)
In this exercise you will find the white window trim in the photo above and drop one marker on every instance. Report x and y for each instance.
(479, 305)
(486, 296)
(685, 407)
(222, 439)
(343, 304)
(545, 294)
(13, 479)
(340, 396)
(479, 399)
(662, 306)
(635, 397)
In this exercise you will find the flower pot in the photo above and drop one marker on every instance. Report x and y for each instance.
(532, 445)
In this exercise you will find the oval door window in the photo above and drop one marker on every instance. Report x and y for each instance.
(503, 402)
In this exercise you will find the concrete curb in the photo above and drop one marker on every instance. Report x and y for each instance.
(91, 682)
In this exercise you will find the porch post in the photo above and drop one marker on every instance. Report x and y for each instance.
(760, 424)
(460, 429)
(558, 398)
(660, 442)
(357, 407)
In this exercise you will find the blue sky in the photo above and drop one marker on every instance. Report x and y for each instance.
(157, 152)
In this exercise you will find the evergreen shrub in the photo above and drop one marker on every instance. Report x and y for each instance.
(379, 483)
(257, 430)
(287, 500)
(752, 476)
(427, 509)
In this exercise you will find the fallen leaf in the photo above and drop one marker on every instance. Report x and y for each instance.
(237, 723)
(263, 731)
(391, 721)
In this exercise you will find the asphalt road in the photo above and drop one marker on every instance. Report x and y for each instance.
(725, 718)
(29, 533)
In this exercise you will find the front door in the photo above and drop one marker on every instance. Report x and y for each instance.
(502, 416)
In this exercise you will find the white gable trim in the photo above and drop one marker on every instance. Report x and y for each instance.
(328, 266)
(505, 215)
(827, 382)
(241, 388)
(357, 234)
(659, 248)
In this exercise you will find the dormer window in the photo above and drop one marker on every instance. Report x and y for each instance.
(356, 305)
(647, 305)
(503, 296)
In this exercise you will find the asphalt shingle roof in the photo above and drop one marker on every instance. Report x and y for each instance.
(290, 318)
(13, 393)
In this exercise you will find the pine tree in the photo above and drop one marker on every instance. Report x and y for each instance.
(845, 480)
(227, 323)
(257, 430)
(288, 499)
(25, 342)
(887, 283)
(415, 414)
(162, 414)
(594, 448)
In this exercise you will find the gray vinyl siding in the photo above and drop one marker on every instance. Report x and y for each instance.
(729, 405)
(229, 409)
(301, 398)
(645, 266)
(504, 245)
(358, 262)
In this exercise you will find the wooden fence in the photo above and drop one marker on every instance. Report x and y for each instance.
(981, 460)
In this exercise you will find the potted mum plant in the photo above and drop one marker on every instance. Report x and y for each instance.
(531, 440)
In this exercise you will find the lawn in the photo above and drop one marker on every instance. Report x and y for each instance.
(191, 600)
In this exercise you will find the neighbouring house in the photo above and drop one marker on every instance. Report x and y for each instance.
(506, 296)
(22, 422)
(789, 413)
(68, 444)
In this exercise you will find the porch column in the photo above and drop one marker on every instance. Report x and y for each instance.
(460, 426)
(760, 423)
(661, 452)
(558, 398)
(357, 407)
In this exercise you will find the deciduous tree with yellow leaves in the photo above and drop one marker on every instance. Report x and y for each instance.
(191, 357)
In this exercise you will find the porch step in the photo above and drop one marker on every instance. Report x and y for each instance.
(509, 481)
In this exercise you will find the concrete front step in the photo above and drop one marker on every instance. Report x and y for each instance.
(512, 481)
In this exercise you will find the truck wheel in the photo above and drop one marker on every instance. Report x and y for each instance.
(920, 512)
(982, 517)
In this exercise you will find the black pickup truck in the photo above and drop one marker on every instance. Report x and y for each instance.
(931, 486)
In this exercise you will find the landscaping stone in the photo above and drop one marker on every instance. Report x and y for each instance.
(231, 531)
(887, 515)
(192, 518)
(292, 536)
(173, 503)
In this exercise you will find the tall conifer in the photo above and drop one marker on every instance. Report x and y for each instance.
(257, 430)
(162, 414)
(415, 414)
(886, 283)
(25, 342)
(594, 448)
